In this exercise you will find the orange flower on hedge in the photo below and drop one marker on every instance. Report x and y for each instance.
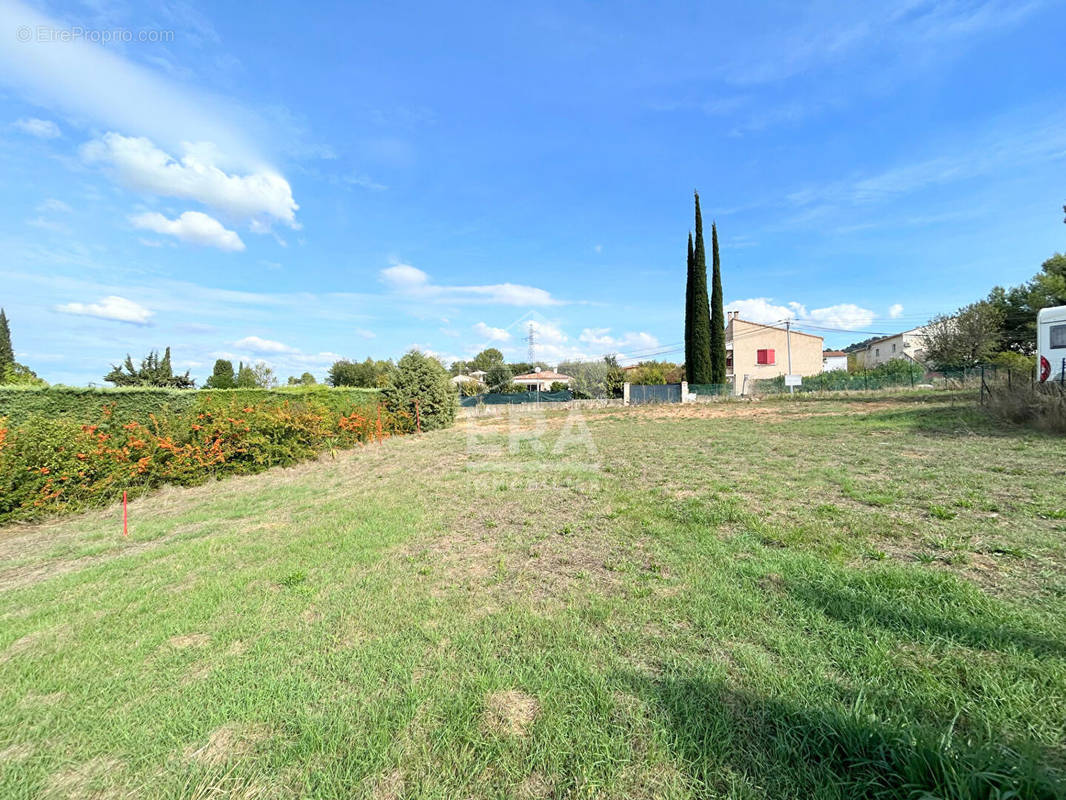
(44, 470)
(82, 456)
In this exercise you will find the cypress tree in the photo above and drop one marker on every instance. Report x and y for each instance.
(699, 351)
(689, 316)
(717, 313)
(7, 353)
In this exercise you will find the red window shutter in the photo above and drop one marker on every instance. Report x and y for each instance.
(764, 357)
(770, 357)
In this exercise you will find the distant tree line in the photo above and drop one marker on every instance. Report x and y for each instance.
(1001, 328)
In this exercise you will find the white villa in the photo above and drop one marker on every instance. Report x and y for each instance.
(542, 380)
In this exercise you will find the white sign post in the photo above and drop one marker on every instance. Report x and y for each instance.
(793, 380)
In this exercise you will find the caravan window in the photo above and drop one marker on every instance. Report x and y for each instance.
(1058, 337)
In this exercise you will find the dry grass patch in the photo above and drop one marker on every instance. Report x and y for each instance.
(88, 781)
(509, 713)
(536, 787)
(388, 786)
(230, 742)
(189, 640)
(16, 752)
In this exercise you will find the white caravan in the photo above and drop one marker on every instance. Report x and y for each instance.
(1051, 344)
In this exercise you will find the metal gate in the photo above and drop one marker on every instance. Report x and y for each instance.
(641, 394)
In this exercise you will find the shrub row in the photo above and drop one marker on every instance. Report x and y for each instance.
(51, 463)
(19, 403)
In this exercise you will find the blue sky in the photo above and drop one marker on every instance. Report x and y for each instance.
(296, 184)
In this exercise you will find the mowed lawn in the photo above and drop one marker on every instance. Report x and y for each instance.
(829, 598)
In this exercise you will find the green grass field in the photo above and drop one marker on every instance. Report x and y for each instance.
(811, 599)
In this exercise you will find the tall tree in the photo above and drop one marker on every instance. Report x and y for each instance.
(245, 376)
(222, 377)
(689, 316)
(965, 339)
(698, 353)
(717, 313)
(7, 352)
(498, 377)
(486, 358)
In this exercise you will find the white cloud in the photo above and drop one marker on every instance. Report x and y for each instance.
(111, 307)
(258, 198)
(48, 224)
(491, 334)
(847, 316)
(546, 333)
(895, 310)
(192, 227)
(411, 281)
(41, 128)
(762, 309)
(51, 204)
(404, 277)
(257, 345)
(601, 337)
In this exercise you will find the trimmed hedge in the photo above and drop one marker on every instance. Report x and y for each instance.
(86, 452)
(127, 404)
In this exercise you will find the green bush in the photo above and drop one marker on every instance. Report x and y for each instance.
(83, 405)
(421, 387)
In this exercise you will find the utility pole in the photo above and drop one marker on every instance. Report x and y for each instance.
(788, 348)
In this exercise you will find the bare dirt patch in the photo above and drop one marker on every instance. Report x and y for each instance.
(509, 713)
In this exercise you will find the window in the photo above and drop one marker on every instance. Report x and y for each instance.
(877, 351)
(893, 347)
(764, 356)
(1058, 337)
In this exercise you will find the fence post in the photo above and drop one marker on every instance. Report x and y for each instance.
(865, 380)
(982, 384)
